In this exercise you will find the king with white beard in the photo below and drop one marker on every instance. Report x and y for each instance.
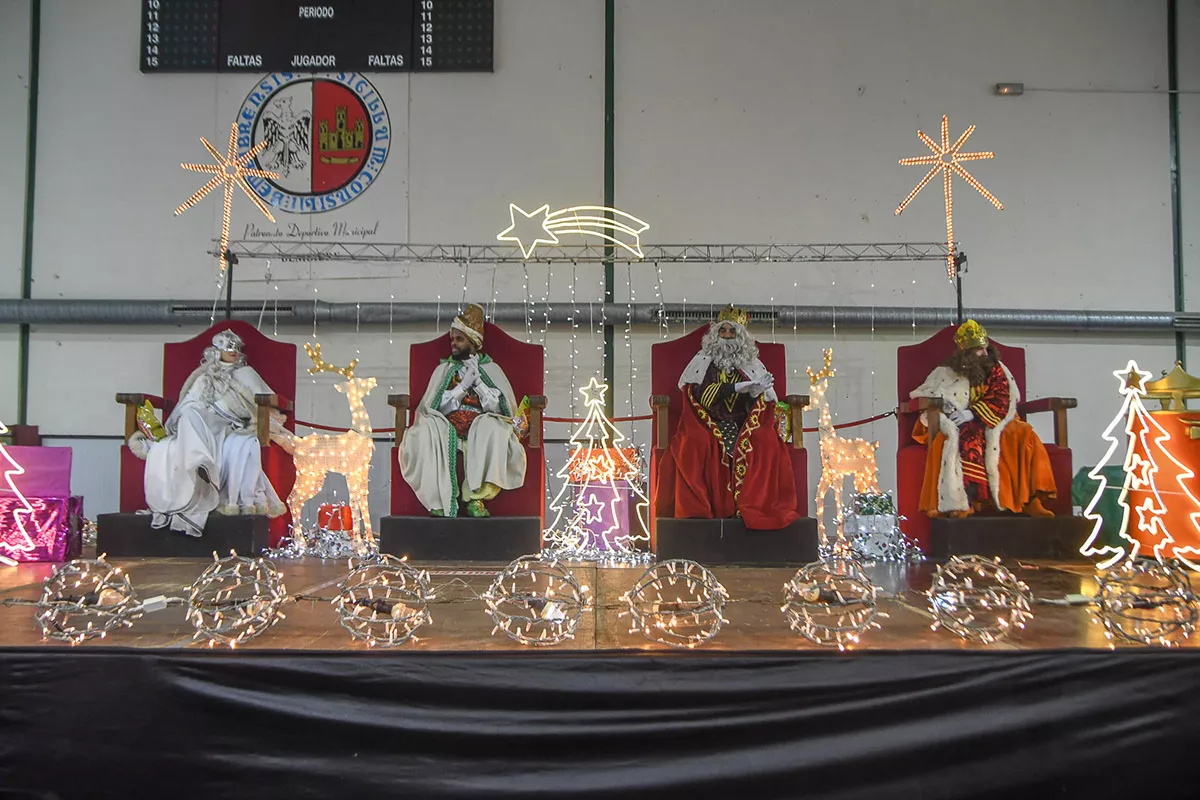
(729, 458)
(207, 457)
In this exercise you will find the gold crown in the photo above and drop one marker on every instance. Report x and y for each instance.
(971, 335)
(732, 314)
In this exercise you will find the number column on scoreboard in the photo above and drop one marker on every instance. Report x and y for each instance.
(180, 35)
(453, 35)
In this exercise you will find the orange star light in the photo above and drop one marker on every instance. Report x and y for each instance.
(230, 170)
(945, 159)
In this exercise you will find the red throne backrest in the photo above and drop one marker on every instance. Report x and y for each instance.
(275, 361)
(668, 360)
(914, 362)
(523, 364)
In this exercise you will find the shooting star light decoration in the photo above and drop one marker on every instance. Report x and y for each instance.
(945, 159)
(528, 229)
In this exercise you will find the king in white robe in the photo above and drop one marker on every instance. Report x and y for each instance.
(211, 459)
(493, 457)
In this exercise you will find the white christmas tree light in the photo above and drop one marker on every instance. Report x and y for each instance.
(600, 484)
(1141, 473)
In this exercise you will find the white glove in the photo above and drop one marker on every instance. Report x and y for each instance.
(743, 387)
(468, 376)
(961, 416)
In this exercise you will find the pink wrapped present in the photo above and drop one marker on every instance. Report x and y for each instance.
(47, 524)
(47, 471)
(49, 529)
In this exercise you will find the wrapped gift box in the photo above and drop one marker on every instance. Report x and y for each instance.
(50, 527)
(53, 530)
(332, 517)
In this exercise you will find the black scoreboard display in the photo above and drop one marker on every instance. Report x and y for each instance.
(317, 35)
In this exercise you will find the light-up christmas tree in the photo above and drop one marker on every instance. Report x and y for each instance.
(1146, 443)
(602, 510)
(15, 540)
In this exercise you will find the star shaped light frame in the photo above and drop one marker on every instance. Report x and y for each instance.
(528, 229)
(230, 170)
(945, 159)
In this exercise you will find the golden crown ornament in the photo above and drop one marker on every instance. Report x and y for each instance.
(971, 335)
(733, 314)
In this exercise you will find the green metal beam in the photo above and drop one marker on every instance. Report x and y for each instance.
(1176, 231)
(35, 41)
(609, 192)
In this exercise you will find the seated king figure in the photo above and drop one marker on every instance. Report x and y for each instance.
(207, 457)
(729, 459)
(466, 415)
(984, 455)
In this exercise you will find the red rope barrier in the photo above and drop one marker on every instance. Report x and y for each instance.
(857, 422)
(613, 419)
(573, 420)
(332, 429)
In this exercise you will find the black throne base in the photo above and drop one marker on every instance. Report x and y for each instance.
(1009, 536)
(460, 538)
(727, 541)
(130, 536)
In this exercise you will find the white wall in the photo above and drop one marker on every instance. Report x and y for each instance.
(756, 121)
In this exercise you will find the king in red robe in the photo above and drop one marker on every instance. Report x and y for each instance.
(729, 459)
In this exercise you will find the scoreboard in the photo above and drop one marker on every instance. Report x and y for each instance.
(317, 35)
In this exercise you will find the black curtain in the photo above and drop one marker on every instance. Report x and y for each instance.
(95, 723)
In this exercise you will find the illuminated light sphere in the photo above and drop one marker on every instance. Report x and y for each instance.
(978, 599)
(384, 602)
(235, 600)
(1146, 602)
(86, 599)
(678, 603)
(537, 600)
(831, 602)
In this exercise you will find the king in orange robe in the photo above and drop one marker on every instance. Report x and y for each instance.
(729, 459)
(983, 456)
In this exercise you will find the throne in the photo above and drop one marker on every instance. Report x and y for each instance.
(719, 540)
(128, 533)
(1005, 535)
(515, 525)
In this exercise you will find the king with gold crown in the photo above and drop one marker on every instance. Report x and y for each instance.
(983, 456)
(729, 458)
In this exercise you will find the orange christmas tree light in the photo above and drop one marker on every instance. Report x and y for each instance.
(1141, 474)
(945, 159)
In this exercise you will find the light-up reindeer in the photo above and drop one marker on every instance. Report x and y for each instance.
(348, 454)
(840, 458)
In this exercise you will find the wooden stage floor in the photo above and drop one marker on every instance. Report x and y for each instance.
(755, 620)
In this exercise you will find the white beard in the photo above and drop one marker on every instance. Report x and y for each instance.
(730, 354)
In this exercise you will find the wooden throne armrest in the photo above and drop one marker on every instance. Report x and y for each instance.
(930, 406)
(132, 402)
(659, 405)
(796, 405)
(537, 406)
(265, 404)
(400, 402)
(1059, 405)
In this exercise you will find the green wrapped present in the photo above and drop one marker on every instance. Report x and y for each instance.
(1083, 489)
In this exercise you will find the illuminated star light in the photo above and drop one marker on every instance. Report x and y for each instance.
(230, 170)
(592, 509)
(25, 544)
(946, 159)
(527, 230)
